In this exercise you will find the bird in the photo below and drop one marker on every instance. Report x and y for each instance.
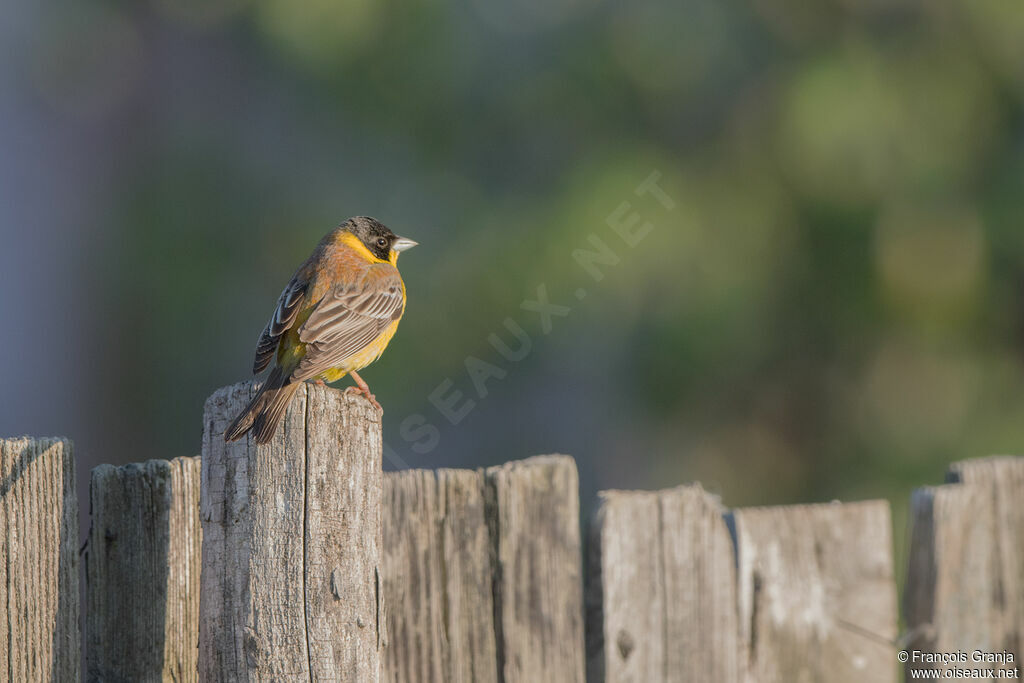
(335, 316)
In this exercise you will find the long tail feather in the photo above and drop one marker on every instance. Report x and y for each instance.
(265, 424)
(264, 411)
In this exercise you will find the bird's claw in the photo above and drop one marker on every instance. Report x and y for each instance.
(369, 397)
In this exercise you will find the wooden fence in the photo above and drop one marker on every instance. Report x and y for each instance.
(300, 560)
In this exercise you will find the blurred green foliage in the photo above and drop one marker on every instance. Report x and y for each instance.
(832, 309)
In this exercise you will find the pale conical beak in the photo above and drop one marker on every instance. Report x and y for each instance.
(403, 243)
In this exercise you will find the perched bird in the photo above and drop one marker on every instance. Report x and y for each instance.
(335, 317)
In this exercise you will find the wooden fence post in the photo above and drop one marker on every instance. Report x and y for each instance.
(291, 542)
(661, 589)
(1002, 477)
(142, 572)
(802, 593)
(437, 579)
(816, 592)
(965, 576)
(39, 638)
(533, 514)
(482, 576)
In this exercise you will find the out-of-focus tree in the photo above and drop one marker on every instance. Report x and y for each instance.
(832, 307)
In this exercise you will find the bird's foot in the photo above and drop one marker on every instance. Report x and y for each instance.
(320, 383)
(364, 388)
(365, 392)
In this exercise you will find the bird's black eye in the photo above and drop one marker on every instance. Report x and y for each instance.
(382, 242)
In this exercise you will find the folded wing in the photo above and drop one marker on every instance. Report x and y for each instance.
(283, 318)
(349, 318)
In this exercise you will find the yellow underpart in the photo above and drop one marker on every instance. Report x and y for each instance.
(360, 360)
(292, 350)
(333, 375)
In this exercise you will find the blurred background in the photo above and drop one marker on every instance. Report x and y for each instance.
(831, 308)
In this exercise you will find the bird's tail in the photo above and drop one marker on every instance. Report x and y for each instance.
(265, 410)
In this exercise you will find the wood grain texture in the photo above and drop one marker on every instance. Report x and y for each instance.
(184, 556)
(964, 579)
(625, 590)
(1002, 478)
(949, 599)
(437, 579)
(142, 572)
(533, 514)
(39, 604)
(700, 579)
(817, 599)
(291, 542)
(659, 564)
(342, 536)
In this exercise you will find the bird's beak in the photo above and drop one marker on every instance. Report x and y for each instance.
(403, 243)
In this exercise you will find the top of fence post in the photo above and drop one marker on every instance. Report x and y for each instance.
(291, 542)
(965, 576)
(39, 637)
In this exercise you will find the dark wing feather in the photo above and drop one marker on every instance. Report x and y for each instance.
(348, 319)
(284, 316)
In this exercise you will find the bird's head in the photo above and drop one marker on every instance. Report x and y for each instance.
(378, 238)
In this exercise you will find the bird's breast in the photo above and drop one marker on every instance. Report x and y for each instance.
(371, 351)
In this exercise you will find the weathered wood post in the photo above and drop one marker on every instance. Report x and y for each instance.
(800, 593)
(534, 518)
(39, 639)
(437, 584)
(661, 589)
(482, 574)
(965, 576)
(817, 592)
(291, 542)
(142, 572)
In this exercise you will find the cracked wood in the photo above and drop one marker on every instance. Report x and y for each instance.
(965, 577)
(39, 638)
(291, 542)
(142, 571)
(817, 598)
(661, 589)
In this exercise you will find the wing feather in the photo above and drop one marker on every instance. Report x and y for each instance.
(285, 312)
(348, 319)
